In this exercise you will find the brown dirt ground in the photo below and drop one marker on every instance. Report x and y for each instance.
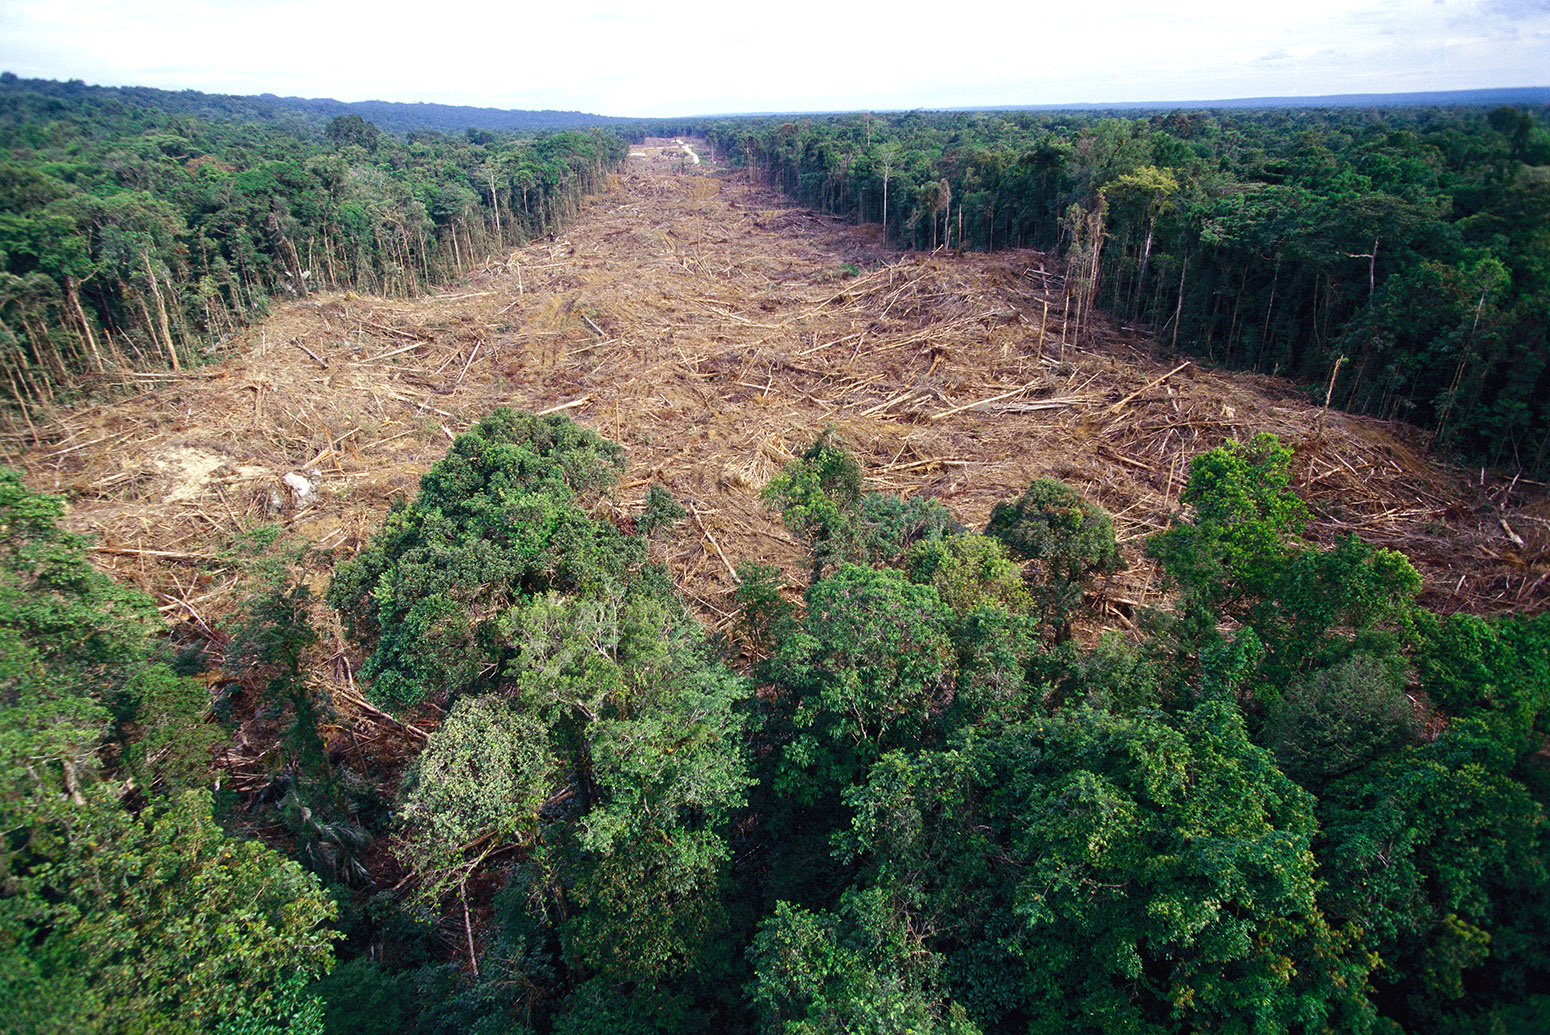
(711, 327)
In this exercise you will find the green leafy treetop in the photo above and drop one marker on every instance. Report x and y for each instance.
(1095, 873)
(502, 517)
(594, 744)
(1067, 537)
(1241, 558)
(821, 501)
(113, 920)
(1246, 527)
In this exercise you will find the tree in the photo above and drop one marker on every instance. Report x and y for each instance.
(1094, 872)
(499, 519)
(478, 786)
(1430, 852)
(821, 501)
(593, 750)
(1152, 191)
(1338, 719)
(1069, 539)
(866, 671)
(114, 920)
(1243, 557)
(861, 973)
(352, 129)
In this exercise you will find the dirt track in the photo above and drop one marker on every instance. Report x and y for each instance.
(714, 329)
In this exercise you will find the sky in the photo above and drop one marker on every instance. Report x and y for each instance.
(612, 57)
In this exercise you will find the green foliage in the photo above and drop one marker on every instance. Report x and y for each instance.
(1367, 594)
(481, 779)
(592, 735)
(68, 627)
(661, 511)
(361, 998)
(1247, 525)
(1427, 851)
(821, 501)
(1243, 557)
(1338, 719)
(112, 921)
(968, 572)
(268, 646)
(642, 868)
(1120, 676)
(865, 672)
(171, 220)
(267, 656)
(1070, 539)
(991, 624)
(1053, 524)
(1496, 671)
(762, 612)
(164, 922)
(1093, 872)
(499, 519)
(860, 973)
(166, 744)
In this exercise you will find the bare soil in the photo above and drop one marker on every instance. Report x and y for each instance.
(715, 329)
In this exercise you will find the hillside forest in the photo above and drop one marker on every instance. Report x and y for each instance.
(1399, 260)
(917, 780)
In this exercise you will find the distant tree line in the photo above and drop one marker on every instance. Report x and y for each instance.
(1409, 248)
(131, 235)
(312, 114)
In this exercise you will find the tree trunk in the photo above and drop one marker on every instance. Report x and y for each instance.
(75, 303)
(885, 200)
(1146, 258)
(21, 401)
(1178, 310)
(161, 311)
(287, 253)
(1264, 334)
(495, 203)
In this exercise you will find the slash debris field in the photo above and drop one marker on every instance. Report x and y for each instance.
(715, 329)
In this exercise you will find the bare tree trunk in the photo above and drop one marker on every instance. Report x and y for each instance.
(1043, 322)
(161, 310)
(495, 203)
(75, 303)
(1264, 334)
(1146, 258)
(468, 930)
(287, 253)
(21, 401)
(1064, 312)
(886, 168)
(1178, 310)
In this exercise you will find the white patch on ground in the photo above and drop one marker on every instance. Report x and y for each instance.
(189, 470)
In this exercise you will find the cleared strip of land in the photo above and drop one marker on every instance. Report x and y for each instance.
(714, 329)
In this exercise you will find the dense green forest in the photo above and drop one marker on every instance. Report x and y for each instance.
(1298, 803)
(135, 233)
(1402, 254)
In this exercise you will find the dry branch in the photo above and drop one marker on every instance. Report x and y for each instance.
(171, 555)
(566, 406)
(315, 357)
(1144, 389)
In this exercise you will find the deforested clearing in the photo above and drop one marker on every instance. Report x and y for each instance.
(715, 329)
